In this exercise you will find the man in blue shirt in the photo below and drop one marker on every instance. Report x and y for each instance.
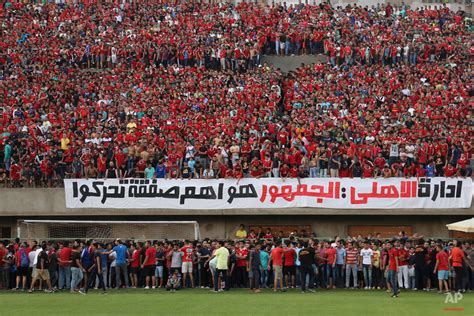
(160, 170)
(7, 155)
(121, 263)
(340, 260)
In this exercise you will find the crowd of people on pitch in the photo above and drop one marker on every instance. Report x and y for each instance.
(305, 263)
(177, 90)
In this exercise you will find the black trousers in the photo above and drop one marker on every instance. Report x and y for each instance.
(304, 271)
(92, 277)
(458, 279)
(420, 277)
(205, 276)
(241, 277)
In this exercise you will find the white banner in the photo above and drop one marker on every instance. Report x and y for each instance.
(269, 193)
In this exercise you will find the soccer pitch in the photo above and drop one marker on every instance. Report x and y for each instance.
(235, 302)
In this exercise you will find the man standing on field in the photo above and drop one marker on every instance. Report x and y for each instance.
(187, 265)
(222, 255)
(393, 268)
(276, 257)
(442, 266)
(149, 265)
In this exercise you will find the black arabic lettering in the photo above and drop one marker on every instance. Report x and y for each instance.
(245, 191)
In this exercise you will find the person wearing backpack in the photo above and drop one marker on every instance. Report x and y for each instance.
(42, 269)
(22, 263)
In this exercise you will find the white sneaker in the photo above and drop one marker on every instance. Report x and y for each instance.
(147, 287)
(154, 287)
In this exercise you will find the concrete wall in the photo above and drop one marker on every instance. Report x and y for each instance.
(19, 204)
(51, 202)
(323, 225)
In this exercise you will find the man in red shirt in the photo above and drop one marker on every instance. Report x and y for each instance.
(442, 266)
(331, 266)
(64, 260)
(289, 269)
(241, 267)
(276, 259)
(3, 258)
(187, 265)
(393, 268)
(403, 280)
(134, 264)
(149, 264)
(457, 257)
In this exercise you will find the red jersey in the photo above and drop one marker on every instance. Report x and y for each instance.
(276, 256)
(331, 253)
(65, 255)
(456, 256)
(443, 261)
(392, 255)
(151, 254)
(136, 259)
(402, 257)
(290, 255)
(243, 253)
(187, 253)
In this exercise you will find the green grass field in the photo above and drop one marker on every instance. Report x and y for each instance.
(235, 302)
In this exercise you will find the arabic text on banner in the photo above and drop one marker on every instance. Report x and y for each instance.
(269, 193)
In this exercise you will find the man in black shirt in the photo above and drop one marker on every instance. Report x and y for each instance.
(306, 257)
(254, 265)
(96, 269)
(42, 270)
(420, 266)
(203, 254)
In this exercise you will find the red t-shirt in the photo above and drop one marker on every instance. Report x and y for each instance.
(443, 259)
(276, 256)
(456, 256)
(392, 254)
(3, 253)
(136, 259)
(402, 257)
(65, 255)
(290, 254)
(151, 254)
(331, 253)
(242, 252)
(187, 253)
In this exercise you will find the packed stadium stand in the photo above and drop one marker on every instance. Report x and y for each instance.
(171, 91)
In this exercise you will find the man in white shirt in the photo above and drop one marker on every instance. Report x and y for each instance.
(366, 259)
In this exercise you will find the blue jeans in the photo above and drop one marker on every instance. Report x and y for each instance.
(77, 276)
(367, 270)
(263, 277)
(324, 275)
(314, 172)
(393, 280)
(121, 269)
(64, 277)
(339, 275)
(331, 273)
(351, 268)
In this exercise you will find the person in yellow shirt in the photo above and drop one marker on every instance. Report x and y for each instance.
(222, 255)
(65, 141)
(241, 233)
(376, 266)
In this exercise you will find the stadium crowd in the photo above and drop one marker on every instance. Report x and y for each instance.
(257, 260)
(99, 89)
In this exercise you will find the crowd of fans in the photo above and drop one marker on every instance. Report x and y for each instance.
(256, 260)
(99, 89)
